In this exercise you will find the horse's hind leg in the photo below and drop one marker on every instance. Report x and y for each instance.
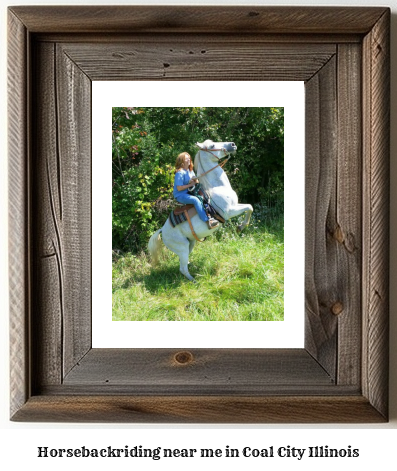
(192, 243)
(183, 250)
(181, 246)
(183, 262)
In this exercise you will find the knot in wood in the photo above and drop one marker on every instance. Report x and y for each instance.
(337, 308)
(183, 358)
(338, 235)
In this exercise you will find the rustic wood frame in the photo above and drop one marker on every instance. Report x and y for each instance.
(343, 56)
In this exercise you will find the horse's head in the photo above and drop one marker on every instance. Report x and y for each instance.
(219, 149)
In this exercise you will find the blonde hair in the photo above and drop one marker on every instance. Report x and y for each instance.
(180, 160)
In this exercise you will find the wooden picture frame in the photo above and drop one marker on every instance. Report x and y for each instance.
(342, 54)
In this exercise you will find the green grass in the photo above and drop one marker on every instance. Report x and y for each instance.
(240, 277)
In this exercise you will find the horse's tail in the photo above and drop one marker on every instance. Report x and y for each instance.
(155, 247)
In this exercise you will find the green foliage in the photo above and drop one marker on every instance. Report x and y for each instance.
(146, 142)
(242, 280)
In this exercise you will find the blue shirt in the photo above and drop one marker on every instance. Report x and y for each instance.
(182, 177)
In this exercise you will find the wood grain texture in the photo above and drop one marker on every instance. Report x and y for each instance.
(47, 325)
(242, 38)
(376, 92)
(341, 375)
(199, 409)
(62, 205)
(321, 277)
(333, 215)
(192, 60)
(74, 128)
(19, 224)
(346, 229)
(246, 369)
(199, 19)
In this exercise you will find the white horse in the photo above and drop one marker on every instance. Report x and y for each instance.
(213, 179)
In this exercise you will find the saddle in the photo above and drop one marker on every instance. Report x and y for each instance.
(182, 214)
(186, 212)
(182, 209)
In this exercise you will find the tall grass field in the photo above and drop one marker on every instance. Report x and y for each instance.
(240, 277)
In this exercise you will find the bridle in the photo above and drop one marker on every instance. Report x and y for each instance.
(221, 164)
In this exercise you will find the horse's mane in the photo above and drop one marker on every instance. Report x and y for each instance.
(195, 162)
(203, 181)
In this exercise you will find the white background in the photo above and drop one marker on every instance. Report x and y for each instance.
(287, 334)
(19, 442)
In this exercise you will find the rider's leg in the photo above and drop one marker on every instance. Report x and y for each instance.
(190, 199)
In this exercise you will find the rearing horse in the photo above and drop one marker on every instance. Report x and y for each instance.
(208, 167)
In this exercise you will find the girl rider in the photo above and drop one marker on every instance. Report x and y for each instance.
(185, 179)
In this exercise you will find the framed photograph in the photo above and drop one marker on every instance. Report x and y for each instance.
(340, 374)
(242, 274)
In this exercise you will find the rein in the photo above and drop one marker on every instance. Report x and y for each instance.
(216, 166)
